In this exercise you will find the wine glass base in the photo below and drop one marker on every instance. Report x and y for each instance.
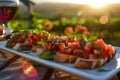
(5, 33)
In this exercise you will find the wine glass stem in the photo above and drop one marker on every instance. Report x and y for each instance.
(7, 29)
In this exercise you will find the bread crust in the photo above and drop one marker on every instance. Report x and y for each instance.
(65, 58)
(92, 64)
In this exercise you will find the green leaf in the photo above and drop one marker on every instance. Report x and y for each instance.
(8, 46)
(102, 70)
(83, 43)
(19, 50)
(40, 42)
(92, 39)
(47, 55)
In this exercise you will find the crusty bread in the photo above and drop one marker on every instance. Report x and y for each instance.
(81, 62)
(60, 57)
(92, 64)
(2, 37)
(2, 31)
(39, 51)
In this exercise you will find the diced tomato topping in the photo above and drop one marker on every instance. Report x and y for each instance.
(41, 36)
(47, 46)
(101, 43)
(70, 39)
(92, 56)
(111, 49)
(30, 32)
(79, 41)
(35, 38)
(78, 52)
(74, 45)
(106, 53)
(27, 43)
(30, 40)
(51, 38)
(68, 51)
(88, 46)
(86, 54)
(19, 40)
(44, 46)
(61, 48)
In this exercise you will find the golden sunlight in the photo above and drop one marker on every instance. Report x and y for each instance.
(93, 3)
(97, 4)
(103, 19)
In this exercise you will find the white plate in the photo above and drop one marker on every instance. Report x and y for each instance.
(113, 66)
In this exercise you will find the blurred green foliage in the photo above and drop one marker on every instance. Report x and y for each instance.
(110, 31)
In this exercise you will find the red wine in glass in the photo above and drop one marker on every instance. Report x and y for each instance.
(8, 9)
(7, 13)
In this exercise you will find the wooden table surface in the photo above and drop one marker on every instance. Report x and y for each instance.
(14, 71)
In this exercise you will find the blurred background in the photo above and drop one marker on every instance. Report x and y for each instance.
(99, 18)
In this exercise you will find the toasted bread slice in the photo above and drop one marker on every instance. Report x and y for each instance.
(39, 51)
(92, 64)
(65, 58)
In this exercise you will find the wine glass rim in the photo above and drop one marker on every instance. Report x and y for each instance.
(16, 1)
(9, 0)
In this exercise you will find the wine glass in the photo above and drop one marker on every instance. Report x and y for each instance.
(8, 9)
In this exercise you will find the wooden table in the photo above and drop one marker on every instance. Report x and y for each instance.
(10, 64)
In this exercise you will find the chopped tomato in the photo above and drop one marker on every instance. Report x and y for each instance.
(68, 51)
(30, 33)
(12, 44)
(27, 42)
(61, 48)
(111, 49)
(41, 36)
(86, 54)
(51, 38)
(92, 56)
(101, 43)
(78, 52)
(74, 45)
(79, 41)
(106, 53)
(30, 40)
(35, 37)
(70, 39)
(47, 46)
(19, 40)
(88, 46)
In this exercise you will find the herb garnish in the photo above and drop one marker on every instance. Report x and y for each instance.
(102, 70)
(47, 55)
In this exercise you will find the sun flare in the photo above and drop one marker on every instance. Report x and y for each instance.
(97, 5)
(93, 3)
